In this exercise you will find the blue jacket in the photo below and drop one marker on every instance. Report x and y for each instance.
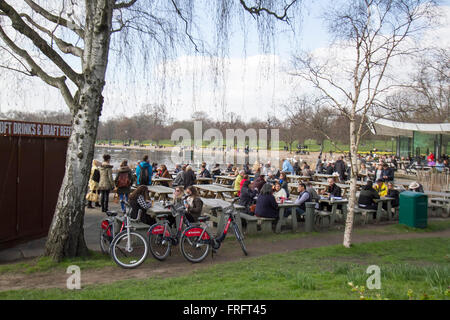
(266, 206)
(144, 165)
(287, 167)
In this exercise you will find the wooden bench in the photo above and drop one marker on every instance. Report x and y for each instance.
(251, 223)
(320, 215)
(434, 206)
(366, 214)
(266, 224)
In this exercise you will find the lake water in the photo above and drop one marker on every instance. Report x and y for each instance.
(134, 156)
(170, 158)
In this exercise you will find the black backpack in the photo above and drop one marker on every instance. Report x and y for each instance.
(96, 175)
(143, 175)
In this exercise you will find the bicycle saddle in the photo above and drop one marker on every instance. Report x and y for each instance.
(203, 218)
(111, 213)
(162, 216)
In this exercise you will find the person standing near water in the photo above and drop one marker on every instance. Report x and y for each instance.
(106, 183)
(144, 172)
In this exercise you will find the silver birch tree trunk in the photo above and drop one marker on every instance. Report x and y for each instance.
(66, 235)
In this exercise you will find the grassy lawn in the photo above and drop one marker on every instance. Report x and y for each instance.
(419, 265)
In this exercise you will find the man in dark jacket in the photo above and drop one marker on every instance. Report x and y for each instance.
(204, 173)
(367, 196)
(387, 174)
(340, 167)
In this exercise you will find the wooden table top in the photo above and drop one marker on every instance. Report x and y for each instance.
(160, 189)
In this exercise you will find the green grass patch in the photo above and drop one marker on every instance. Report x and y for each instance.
(433, 226)
(95, 260)
(420, 266)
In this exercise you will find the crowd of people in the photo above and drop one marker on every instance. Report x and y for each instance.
(260, 195)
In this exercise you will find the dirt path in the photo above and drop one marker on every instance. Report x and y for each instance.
(176, 265)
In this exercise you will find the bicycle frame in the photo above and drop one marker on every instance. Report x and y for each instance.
(157, 229)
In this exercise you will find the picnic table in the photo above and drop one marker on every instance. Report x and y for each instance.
(334, 204)
(212, 190)
(162, 192)
(294, 178)
(282, 219)
(201, 180)
(225, 180)
(380, 202)
(159, 181)
(322, 176)
(216, 207)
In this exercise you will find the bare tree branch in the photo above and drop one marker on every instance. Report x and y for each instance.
(23, 28)
(55, 19)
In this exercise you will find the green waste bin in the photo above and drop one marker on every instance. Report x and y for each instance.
(413, 209)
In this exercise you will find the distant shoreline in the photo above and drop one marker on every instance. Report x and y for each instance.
(311, 158)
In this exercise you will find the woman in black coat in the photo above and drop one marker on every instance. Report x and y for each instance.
(188, 177)
(266, 205)
(247, 195)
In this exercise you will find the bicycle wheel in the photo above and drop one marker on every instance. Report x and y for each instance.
(129, 253)
(158, 243)
(192, 247)
(239, 238)
(105, 242)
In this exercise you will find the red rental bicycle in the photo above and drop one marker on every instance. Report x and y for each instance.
(196, 241)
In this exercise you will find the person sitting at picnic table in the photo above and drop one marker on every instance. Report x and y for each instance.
(188, 177)
(256, 167)
(154, 168)
(259, 182)
(363, 172)
(303, 197)
(331, 191)
(439, 165)
(194, 204)
(229, 169)
(392, 193)
(271, 178)
(178, 181)
(284, 183)
(430, 158)
(379, 172)
(140, 200)
(216, 171)
(266, 205)
(387, 173)
(367, 196)
(330, 167)
(415, 187)
(247, 169)
(177, 168)
(267, 168)
(237, 182)
(287, 166)
(245, 178)
(279, 192)
(164, 173)
(204, 173)
(381, 188)
(314, 195)
(178, 194)
(246, 198)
